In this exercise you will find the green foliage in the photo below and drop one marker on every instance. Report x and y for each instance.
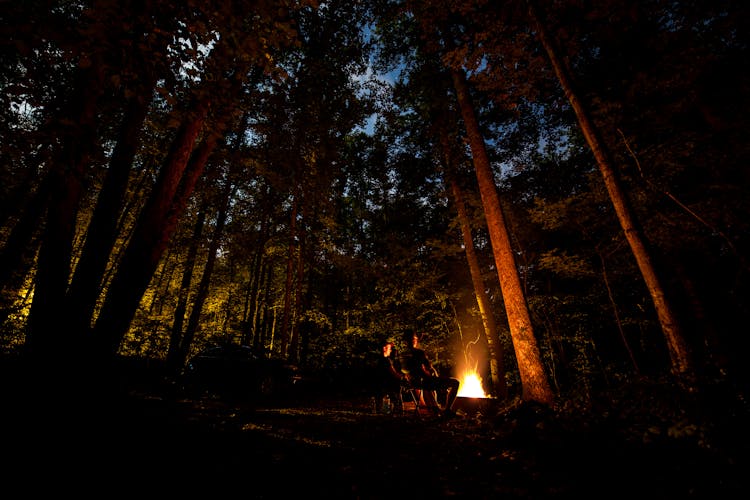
(564, 265)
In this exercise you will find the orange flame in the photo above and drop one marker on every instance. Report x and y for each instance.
(471, 386)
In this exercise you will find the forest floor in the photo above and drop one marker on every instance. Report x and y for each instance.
(336, 447)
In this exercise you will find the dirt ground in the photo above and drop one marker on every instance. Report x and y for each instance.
(338, 448)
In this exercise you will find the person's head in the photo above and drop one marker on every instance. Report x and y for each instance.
(410, 337)
(387, 349)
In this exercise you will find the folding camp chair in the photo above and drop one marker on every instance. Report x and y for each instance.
(412, 391)
(407, 391)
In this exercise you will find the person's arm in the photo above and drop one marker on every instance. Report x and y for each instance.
(427, 367)
(394, 371)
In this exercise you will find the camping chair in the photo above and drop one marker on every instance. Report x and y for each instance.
(413, 393)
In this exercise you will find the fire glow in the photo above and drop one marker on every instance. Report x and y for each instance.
(471, 386)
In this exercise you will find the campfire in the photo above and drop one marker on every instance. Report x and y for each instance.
(471, 398)
(471, 386)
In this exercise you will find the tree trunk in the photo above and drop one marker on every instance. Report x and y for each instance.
(534, 383)
(264, 333)
(102, 231)
(44, 336)
(148, 241)
(252, 318)
(616, 315)
(497, 369)
(175, 337)
(288, 292)
(293, 354)
(252, 314)
(205, 282)
(678, 351)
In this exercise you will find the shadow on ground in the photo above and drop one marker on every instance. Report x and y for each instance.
(337, 448)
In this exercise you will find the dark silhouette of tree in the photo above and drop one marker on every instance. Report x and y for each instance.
(101, 234)
(174, 359)
(76, 148)
(205, 280)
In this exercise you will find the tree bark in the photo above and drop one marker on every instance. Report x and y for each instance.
(534, 383)
(251, 316)
(294, 341)
(497, 368)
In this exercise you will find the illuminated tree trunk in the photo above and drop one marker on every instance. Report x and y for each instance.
(678, 350)
(534, 383)
(299, 298)
(293, 354)
(256, 312)
(497, 369)
(267, 320)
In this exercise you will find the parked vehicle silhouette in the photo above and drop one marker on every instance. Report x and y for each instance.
(239, 372)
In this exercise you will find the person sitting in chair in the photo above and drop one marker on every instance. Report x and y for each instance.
(421, 374)
(388, 380)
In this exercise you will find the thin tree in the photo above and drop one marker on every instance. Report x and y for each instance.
(188, 269)
(678, 351)
(291, 259)
(203, 285)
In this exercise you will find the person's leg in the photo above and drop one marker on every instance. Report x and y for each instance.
(429, 386)
(452, 385)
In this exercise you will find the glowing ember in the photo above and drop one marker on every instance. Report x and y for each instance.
(471, 386)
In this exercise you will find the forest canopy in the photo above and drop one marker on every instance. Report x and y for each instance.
(554, 193)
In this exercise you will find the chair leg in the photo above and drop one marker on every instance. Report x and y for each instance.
(415, 396)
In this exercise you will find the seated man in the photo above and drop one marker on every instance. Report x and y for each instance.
(421, 374)
(388, 378)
